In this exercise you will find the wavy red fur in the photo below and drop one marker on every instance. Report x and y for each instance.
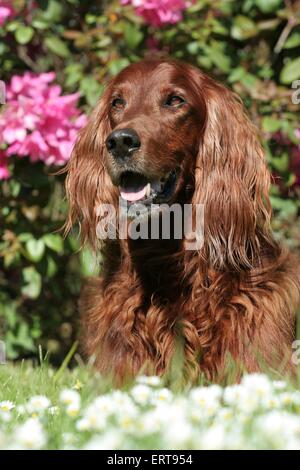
(238, 295)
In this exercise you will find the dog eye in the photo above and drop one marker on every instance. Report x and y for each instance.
(174, 101)
(118, 103)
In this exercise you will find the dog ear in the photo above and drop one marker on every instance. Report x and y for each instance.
(87, 182)
(232, 182)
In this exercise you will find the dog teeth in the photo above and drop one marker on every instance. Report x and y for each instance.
(148, 189)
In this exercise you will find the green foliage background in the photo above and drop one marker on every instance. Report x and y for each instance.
(251, 45)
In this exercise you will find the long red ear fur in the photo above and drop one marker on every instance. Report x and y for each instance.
(87, 182)
(232, 182)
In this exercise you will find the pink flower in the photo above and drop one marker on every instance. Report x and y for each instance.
(38, 121)
(158, 12)
(6, 11)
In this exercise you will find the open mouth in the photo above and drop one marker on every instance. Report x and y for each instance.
(137, 188)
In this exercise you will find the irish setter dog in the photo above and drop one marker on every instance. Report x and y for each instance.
(165, 132)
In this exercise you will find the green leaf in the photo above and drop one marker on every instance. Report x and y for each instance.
(73, 242)
(90, 18)
(219, 59)
(192, 47)
(286, 206)
(57, 46)
(54, 11)
(54, 241)
(91, 89)
(219, 28)
(289, 128)
(236, 74)
(132, 34)
(291, 71)
(40, 24)
(281, 164)
(249, 80)
(74, 73)
(23, 338)
(33, 282)
(13, 26)
(204, 61)
(292, 41)
(11, 351)
(104, 42)
(117, 65)
(15, 188)
(24, 34)
(10, 313)
(268, 6)
(243, 28)
(35, 249)
(51, 267)
(24, 237)
(292, 178)
(88, 262)
(270, 124)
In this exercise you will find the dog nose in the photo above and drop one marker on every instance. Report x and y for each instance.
(123, 142)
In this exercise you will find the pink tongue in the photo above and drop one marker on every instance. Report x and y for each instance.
(133, 196)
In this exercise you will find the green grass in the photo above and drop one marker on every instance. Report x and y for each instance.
(19, 383)
(260, 413)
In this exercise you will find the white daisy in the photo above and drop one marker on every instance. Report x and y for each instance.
(278, 427)
(30, 435)
(92, 420)
(111, 440)
(179, 435)
(38, 404)
(69, 397)
(104, 404)
(259, 384)
(162, 395)
(232, 394)
(207, 399)
(141, 393)
(290, 398)
(152, 380)
(73, 409)
(6, 405)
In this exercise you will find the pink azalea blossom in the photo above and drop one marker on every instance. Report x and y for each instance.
(158, 12)
(38, 121)
(6, 11)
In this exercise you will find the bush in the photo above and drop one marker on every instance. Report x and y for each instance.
(252, 46)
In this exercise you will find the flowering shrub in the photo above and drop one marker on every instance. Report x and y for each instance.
(158, 12)
(258, 413)
(38, 121)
